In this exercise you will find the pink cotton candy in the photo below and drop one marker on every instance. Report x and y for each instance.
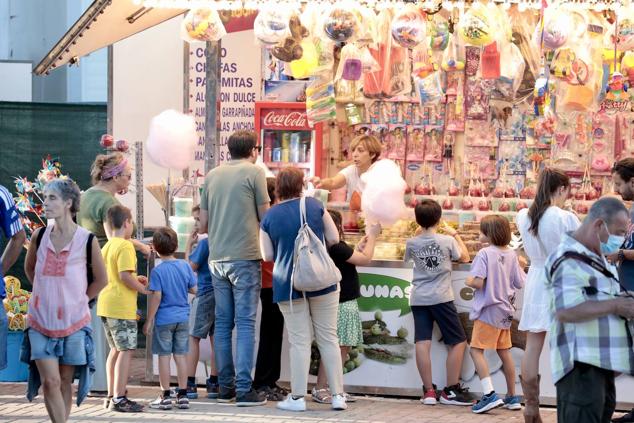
(382, 198)
(172, 140)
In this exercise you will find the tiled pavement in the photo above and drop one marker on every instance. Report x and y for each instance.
(15, 408)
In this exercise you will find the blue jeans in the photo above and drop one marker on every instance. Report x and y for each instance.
(237, 287)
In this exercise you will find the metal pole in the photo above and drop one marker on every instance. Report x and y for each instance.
(212, 94)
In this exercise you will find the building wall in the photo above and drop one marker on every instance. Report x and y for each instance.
(30, 28)
(147, 79)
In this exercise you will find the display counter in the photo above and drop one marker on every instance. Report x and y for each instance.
(386, 365)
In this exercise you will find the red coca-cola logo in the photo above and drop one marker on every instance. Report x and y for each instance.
(284, 119)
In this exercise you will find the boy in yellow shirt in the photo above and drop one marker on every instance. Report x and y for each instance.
(117, 307)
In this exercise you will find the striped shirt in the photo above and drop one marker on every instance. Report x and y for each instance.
(9, 222)
(602, 342)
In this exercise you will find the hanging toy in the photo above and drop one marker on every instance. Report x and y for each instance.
(617, 88)
(408, 27)
(439, 34)
(291, 47)
(202, 25)
(475, 27)
(541, 94)
(341, 24)
(271, 25)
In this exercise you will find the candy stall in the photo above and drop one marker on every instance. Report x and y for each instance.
(469, 100)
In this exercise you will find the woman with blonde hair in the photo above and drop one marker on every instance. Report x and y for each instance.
(365, 151)
(111, 175)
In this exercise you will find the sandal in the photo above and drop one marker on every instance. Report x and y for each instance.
(321, 396)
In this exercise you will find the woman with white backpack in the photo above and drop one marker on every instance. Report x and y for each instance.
(312, 310)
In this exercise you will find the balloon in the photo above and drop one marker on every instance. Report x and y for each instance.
(172, 140)
(202, 25)
(341, 24)
(408, 27)
(271, 25)
(382, 199)
(305, 66)
(475, 27)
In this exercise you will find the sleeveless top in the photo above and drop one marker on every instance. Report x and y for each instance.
(59, 305)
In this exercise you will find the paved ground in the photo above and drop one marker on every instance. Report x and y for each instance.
(15, 408)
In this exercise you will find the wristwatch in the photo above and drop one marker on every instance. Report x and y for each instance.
(621, 255)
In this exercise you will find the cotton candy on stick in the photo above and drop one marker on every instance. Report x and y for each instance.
(172, 140)
(382, 198)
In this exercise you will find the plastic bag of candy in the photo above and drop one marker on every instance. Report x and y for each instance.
(202, 25)
(271, 25)
(320, 100)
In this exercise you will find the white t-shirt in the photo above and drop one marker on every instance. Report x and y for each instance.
(353, 180)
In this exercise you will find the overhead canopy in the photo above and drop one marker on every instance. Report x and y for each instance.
(105, 22)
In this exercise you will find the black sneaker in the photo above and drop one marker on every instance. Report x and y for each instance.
(456, 395)
(125, 406)
(192, 391)
(182, 402)
(162, 403)
(251, 398)
(226, 395)
(625, 418)
(212, 389)
(272, 394)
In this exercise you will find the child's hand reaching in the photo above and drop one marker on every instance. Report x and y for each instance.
(362, 243)
(142, 280)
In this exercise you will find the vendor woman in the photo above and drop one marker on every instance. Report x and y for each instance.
(366, 150)
(110, 175)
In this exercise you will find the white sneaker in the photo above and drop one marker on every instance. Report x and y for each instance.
(339, 402)
(290, 404)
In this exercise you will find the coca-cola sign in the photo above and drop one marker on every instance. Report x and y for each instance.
(285, 119)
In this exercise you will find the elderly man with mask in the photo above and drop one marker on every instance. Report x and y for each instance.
(623, 178)
(589, 337)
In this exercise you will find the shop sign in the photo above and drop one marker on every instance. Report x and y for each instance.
(285, 119)
(385, 293)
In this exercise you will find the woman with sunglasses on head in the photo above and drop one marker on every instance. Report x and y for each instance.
(542, 227)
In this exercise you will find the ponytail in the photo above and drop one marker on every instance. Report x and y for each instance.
(550, 180)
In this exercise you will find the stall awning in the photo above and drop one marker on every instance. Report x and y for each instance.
(105, 22)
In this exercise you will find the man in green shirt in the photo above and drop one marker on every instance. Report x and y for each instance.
(232, 203)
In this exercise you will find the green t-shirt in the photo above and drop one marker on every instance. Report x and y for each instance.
(231, 195)
(93, 212)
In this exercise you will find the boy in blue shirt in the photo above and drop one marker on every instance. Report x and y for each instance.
(203, 313)
(168, 315)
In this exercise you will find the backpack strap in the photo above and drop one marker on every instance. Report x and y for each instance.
(89, 275)
(582, 258)
(38, 240)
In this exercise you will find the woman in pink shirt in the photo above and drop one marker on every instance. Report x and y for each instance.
(58, 309)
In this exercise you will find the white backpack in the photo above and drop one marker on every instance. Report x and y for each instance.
(313, 269)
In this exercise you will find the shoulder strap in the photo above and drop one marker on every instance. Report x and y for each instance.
(40, 234)
(91, 236)
(582, 258)
(302, 211)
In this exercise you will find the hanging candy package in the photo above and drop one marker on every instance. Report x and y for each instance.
(202, 25)
(429, 89)
(320, 100)
(341, 24)
(408, 27)
(475, 27)
(271, 25)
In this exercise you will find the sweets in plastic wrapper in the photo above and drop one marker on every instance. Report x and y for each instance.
(202, 25)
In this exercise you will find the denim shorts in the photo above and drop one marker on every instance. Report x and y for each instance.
(202, 316)
(171, 339)
(4, 334)
(70, 350)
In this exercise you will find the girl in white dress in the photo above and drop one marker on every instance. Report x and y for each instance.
(542, 227)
